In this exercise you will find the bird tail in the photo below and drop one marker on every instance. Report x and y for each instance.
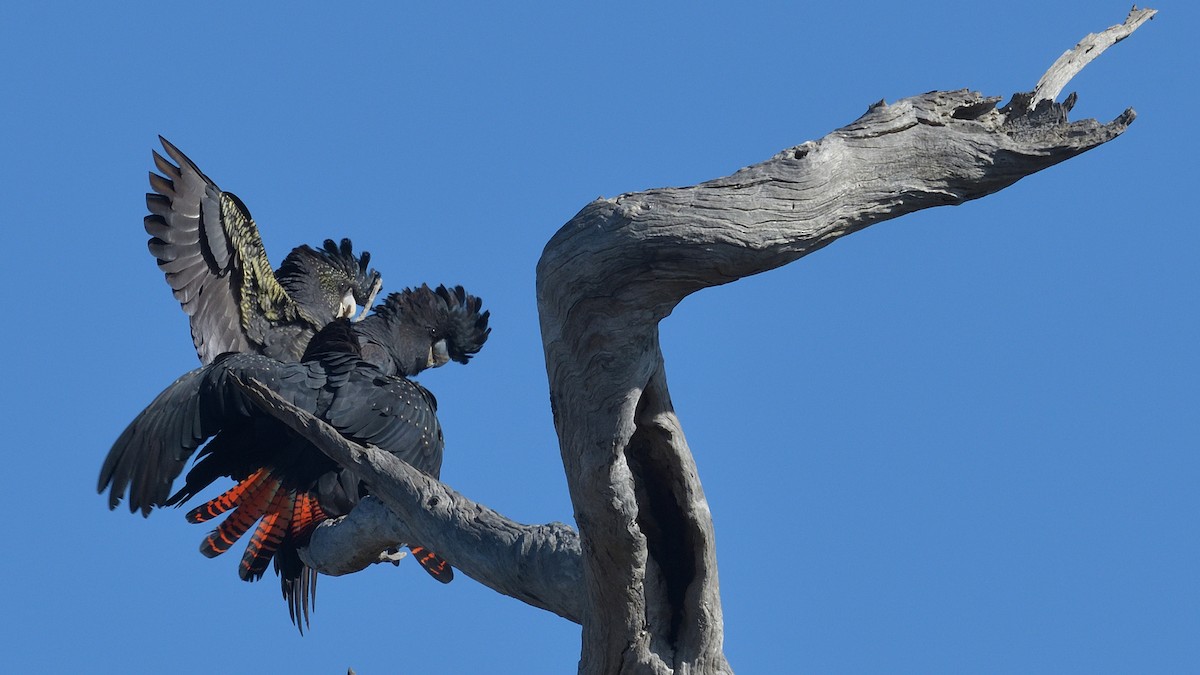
(285, 518)
(433, 563)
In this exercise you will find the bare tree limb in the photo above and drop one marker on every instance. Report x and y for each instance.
(608, 276)
(1072, 61)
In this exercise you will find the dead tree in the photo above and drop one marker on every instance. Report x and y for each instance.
(640, 574)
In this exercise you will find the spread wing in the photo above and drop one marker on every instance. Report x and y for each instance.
(210, 250)
(153, 449)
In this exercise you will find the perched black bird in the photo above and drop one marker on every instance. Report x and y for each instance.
(353, 377)
(213, 257)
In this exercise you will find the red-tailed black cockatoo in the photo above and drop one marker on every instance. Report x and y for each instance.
(353, 376)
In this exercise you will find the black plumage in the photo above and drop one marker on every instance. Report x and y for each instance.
(421, 328)
(212, 254)
(352, 376)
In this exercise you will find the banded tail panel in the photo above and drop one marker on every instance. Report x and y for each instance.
(228, 499)
(265, 541)
(433, 563)
(307, 514)
(249, 510)
(297, 580)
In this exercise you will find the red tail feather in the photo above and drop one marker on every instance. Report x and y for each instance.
(229, 499)
(306, 515)
(251, 508)
(433, 563)
(285, 520)
(300, 586)
(266, 539)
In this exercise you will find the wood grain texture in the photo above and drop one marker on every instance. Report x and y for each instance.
(1074, 60)
(622, 264)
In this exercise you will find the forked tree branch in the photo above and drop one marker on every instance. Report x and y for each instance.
(642, 575)
(620, 265)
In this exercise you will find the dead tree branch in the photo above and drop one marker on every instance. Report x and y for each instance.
(1073, 60)
(620, 265)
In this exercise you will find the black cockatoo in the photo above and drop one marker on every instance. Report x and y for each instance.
(213, 257)
(352, 375)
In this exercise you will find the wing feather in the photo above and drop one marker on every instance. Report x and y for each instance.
(166, 167)
(162, 431)
(152, 451)
(161, 184)
(212, 254)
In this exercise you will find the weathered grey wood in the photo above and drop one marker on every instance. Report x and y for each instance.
(1073, 60)
(537, 564)
(641, 574)
(620, 265)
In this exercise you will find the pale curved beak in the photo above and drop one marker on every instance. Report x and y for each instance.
(438, 354)
(347, 308)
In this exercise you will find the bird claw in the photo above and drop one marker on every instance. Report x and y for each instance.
(393, 556)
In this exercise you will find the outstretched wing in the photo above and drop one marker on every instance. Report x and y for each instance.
(152, 451)
(210, 250)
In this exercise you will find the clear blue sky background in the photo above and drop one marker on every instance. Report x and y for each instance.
(962, 441)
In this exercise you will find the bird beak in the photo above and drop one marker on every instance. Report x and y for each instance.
(347, 307)
(438, 354)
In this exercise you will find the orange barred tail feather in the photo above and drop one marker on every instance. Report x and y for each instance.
(307, 514)
(229, 499)
(298, 581)
(274, 527)
(250, 508)
(433, 563)
(285, 520)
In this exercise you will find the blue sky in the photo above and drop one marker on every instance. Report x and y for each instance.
(961, 441)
